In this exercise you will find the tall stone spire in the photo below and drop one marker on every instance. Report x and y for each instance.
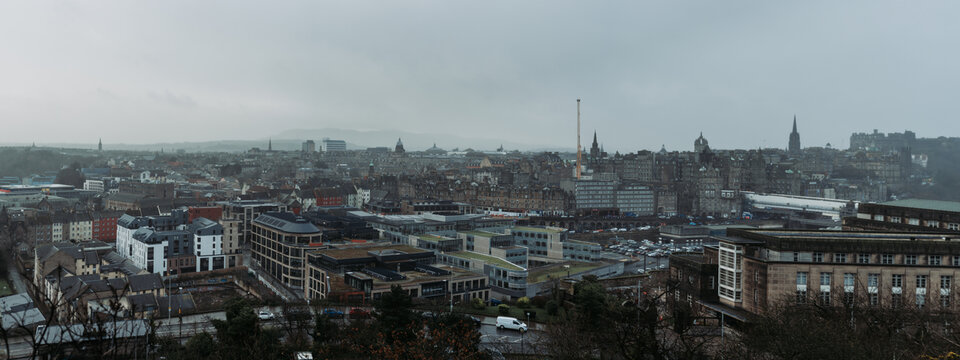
(100, 145)
(270, 144)
(595, 148)
(794, 145)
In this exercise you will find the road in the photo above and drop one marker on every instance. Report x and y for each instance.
(15, 278)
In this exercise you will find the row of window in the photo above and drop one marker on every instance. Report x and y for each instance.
(873, 280)
(873, 299)
(884, 259)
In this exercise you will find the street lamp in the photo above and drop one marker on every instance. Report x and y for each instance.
(180, 311)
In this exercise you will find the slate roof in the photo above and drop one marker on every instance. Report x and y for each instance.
(287, 222)
(145, 282)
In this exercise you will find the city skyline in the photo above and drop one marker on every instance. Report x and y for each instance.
(106, 70)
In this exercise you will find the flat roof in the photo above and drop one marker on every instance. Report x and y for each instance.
(480, 233)
(493, 260)
(538, 229)
(582, 242)
(433, 238)
(849, 235)
(557, 271)
(938, 205)
(363, 251)
(414, 277)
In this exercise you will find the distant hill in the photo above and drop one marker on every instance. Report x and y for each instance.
(413, 141)
(356, 140)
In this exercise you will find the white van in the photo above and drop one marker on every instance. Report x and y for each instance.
(504, 322)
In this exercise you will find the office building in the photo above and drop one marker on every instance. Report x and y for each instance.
(334, 145)
(309, 147)
(280, 244)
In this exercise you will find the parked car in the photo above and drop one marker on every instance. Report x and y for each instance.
(476, 321)
(358, 313)
(266, 315)
(506, 322)
(333, 313)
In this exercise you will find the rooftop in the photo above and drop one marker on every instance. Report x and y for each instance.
(937, 205)
(433, 238)
(849, 235)
(413, 277)
(538, 229)
(559, 271)
(492, 260)
(287, 222)
(364, 251)
(480, 233)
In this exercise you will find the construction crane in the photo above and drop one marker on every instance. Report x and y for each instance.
(578, 139)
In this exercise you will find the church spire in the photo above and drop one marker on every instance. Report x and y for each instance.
(100, 145)
(793, 147)
(270, 144)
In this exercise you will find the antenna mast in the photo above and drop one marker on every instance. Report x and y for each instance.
(578, 139)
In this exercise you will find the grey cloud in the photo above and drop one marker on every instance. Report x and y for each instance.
(173, 99)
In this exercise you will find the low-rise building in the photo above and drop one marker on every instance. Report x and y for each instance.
(505, 278)
(373, 270)
(914, 215)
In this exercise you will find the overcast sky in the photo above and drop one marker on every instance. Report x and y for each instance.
(649, 73)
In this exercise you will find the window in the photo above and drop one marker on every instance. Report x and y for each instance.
(895, 219)
(825, 279)
(921, 300)
(840, 258)
(945, 282)
(896, 300)
(848, 280)
(921, 281)
(801, 296)
(910, 259)
(873, 280)
(886, 259)
(953, 226)
(934, 260)
(848, 298)
(817, 257)
(955, 261)
(825, 298)
(863, 258)
(933, 223)
(801, 278)
(796, 257)
(913, 221)
(874, 299)
(896, 280)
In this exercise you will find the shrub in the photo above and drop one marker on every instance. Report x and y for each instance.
(523, 302)
(539, 301)
(552, 307)
(504, 309)
(478, 304)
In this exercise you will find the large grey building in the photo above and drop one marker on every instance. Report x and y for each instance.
(334, 145)
(627, 198)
